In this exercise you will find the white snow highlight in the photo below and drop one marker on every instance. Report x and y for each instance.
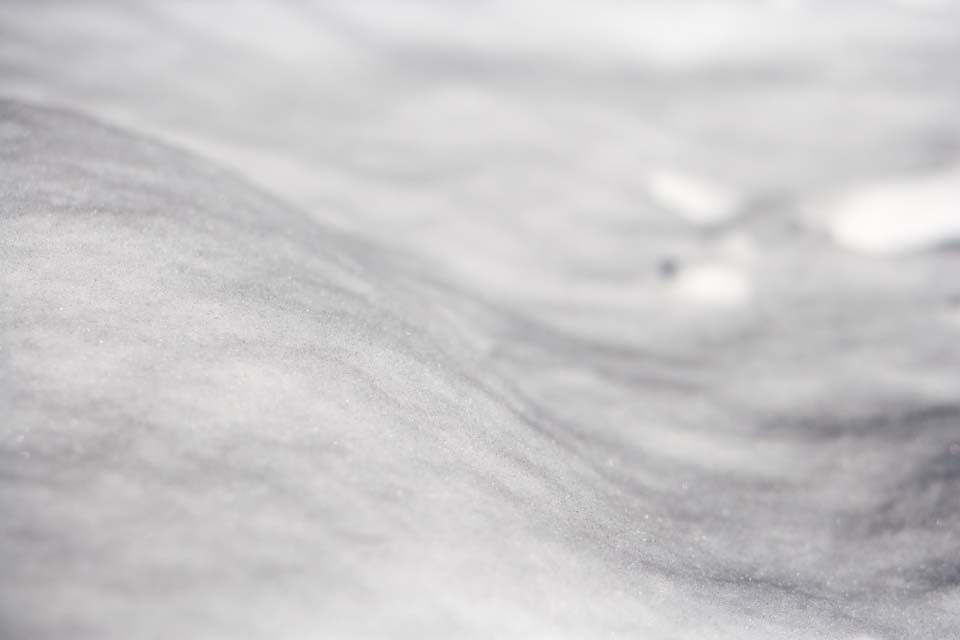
(697, 199)
(898, 216)
(712, 284)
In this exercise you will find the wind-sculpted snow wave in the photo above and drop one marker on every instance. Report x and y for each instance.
(219, 413)
(272, 401)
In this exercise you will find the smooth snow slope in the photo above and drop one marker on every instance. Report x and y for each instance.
(572, 327)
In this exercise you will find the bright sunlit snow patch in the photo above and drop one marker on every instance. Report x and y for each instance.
(695, 198)
(898, 216)
(712, 284)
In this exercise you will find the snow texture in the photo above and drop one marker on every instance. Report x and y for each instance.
(440, 319)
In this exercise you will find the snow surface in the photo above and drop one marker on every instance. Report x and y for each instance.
(339, 319)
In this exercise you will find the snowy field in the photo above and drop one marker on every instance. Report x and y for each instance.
(442, 319)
